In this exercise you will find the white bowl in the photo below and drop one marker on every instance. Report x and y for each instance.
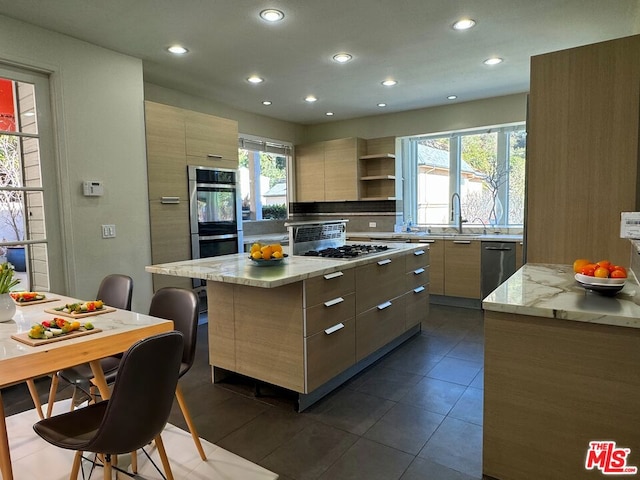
(597, 281)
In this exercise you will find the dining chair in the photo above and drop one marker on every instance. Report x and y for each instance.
(136, 413)
(115, 290)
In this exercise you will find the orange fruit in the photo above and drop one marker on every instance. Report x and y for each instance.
(601, 272)
(588, 269)
(618, 274)
(579, 263)
(276, 247)
(266, 252)
(257, 255)
(604, 264)
(276, 254)
(255, 247)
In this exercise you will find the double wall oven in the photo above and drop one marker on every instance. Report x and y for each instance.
(215, 209)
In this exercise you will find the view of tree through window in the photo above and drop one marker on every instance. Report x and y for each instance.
(487, 170)
(263, 182)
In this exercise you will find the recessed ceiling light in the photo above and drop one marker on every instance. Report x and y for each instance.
(389, 83)
(310, 99)
(452, 97)
(382, 104)
(255, 79)
(271, 15)
(266, 102)
(464, 24)
(329, 114)
(177, 49)
(342, 57)
(493, 61)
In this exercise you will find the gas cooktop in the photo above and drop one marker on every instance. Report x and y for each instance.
(346, 252)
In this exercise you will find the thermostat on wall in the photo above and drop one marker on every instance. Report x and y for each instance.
(630, 225)
(92, 189)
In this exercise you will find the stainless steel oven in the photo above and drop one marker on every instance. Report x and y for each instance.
(215, 208)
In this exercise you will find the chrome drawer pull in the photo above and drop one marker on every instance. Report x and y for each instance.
(384, 305)
(427, 241)
(329, 276)
(212, 155)
(462, 241)
(170, 200)
(417, 253)
(418, 271)
(384, 262)
(335, 328)
(333, 302)
(418, 290)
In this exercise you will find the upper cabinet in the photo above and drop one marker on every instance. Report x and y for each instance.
(346, 169)
(211, 140)
(582, 151)
(328, 171)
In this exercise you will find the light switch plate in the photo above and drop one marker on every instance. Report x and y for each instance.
(108, 231)
(372, 224)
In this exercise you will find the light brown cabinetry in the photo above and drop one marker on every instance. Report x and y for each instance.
(328, 171)
(175, 138)
(582, 151)
(211, 140)
(302, 335)
(454, 268)
(462, 268)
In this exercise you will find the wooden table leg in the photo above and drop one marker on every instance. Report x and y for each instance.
(5, 454)
(99, 380)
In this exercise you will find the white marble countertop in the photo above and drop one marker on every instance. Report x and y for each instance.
(239, 269)
(551, 291)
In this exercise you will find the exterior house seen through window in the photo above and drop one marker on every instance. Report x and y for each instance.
(485, 168)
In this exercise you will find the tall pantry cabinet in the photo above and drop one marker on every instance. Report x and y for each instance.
(582, 151)
(177, 138)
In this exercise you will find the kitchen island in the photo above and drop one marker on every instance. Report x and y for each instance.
(561, 371)
(310, 323)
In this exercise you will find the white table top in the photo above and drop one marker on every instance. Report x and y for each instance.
(550, 291)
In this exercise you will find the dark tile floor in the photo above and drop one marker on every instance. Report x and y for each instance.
(414, 414)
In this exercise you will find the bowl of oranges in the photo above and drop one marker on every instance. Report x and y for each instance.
(266, 255)
(602, 277)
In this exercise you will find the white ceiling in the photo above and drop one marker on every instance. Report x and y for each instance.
(409, 40)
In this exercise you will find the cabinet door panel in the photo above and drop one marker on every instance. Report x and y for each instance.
(436, 267)
(462, 271)
(324, 315)
(166, 165)
(417, 306)
(330, 354)
(416, 277)
(379, 281)
(341, 169)
(378, 326)
(326, 287)
(309, 173)
(211, 138)
(170, 237)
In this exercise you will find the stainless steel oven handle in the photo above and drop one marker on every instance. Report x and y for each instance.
(217, 237)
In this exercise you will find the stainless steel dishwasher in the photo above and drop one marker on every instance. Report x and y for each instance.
(497, 263)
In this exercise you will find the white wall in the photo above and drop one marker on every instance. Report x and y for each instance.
(98, 108)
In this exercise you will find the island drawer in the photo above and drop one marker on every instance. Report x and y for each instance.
(417, 305)
(328, 286)
(416, 277)
(379, 281)
(418, 258)
(379, 325)
(326, 314)
(330, 353)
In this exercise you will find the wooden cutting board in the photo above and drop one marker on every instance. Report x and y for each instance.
(35, 302)
(104, 309)
(34, 342)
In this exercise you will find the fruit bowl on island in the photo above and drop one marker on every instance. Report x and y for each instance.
(601, 277)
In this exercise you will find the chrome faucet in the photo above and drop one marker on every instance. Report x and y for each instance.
(453, 211)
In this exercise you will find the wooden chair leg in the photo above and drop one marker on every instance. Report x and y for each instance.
(134, 462)
(107, 467)
(187, 416)
(163, 456)
(53, 390)
(34, 396)
(75, 469)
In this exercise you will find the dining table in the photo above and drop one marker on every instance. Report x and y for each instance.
(115, 330)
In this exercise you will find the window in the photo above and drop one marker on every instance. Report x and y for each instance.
(485, 168)
(24, 120)
(263, 178)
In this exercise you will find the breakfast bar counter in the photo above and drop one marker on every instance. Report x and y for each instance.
(307, 324)
(561, 371)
